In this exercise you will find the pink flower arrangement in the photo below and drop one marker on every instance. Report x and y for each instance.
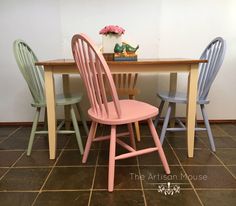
(112, 29)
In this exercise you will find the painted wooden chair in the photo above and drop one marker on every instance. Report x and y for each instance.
(126, 86)
(93, 67)
(34, 77)
(214, 53)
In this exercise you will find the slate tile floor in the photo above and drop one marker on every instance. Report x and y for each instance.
(207, 179)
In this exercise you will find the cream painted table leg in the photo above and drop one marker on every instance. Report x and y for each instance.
(172, 89)
(66, 90)
(51, 111)
(136, 124)
(191, 107)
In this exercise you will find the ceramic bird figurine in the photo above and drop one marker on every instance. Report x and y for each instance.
(129, 49)
(118, 48)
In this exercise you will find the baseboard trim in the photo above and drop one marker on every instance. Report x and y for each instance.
(213, 121)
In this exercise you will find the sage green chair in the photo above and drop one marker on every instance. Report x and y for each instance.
(34, 77)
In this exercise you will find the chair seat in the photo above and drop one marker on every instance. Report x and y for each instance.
(131, 110)
(62, 100)
(179, 97)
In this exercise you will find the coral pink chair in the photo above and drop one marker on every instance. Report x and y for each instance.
(93, 68)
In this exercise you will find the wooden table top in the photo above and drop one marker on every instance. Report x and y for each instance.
(71, 62)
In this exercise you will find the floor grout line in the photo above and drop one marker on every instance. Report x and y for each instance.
(216, 189)
(95, 170)
(123, 189)
(218, 158)
(13, 150)
(93, 165)
(199, 199)
(12, 166)
(19, 191)
(47, 150)
(213, 153)
(234, 140)
(102, 149)
(9, 135)
(40, 191)
(227, 134)
(96, 165)
(222, 130)
(47, 167)
(225, 166)
(39, 150)
(94, 176)
(141, 182)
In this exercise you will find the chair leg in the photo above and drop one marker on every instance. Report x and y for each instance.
(158, 145)
(206, 121)
(131, 133)
(172, 115)
(159, 114)
(196, 124)
(33, 130)
(91, 135)
(137, 130)
(81, 114)
(45, 119)
(76, 128)
(112, 153)
(67, 109)
(165, 124)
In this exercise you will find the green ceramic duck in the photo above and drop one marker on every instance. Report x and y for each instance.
(118, 48)
(129, 48)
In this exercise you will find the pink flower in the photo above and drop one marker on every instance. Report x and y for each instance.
(112, 29)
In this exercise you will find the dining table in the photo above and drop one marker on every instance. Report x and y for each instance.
(173, 66)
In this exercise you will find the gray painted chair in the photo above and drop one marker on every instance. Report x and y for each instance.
(214, 53)
(34, 77)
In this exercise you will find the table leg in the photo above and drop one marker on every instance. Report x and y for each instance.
(172, 89)
(136, 124)
(66, 90)
(51, 111)
(191, 107)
